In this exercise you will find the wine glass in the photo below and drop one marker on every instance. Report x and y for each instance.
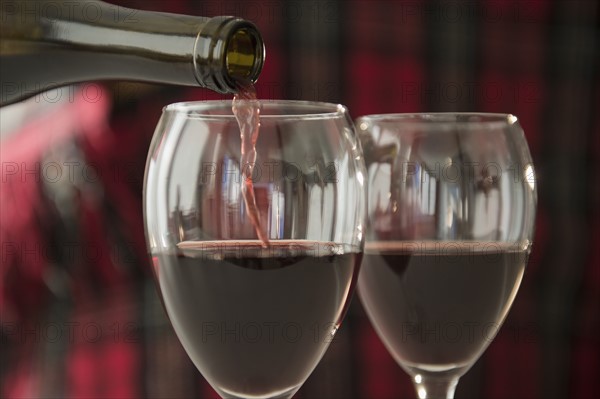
(451, 208)
(255, 317)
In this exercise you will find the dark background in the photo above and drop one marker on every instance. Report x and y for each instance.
(538, 60)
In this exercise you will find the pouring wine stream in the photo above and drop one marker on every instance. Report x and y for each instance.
(246, 108)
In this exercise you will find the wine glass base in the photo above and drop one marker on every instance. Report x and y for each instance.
(446, 370)
(286, 394)
(431, 384)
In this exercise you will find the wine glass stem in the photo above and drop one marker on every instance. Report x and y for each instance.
(435, 387)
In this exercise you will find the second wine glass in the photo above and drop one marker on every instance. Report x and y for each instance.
(255, 318)
(450, 224)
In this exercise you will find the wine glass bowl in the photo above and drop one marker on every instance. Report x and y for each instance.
(451, 207)
(255, 318)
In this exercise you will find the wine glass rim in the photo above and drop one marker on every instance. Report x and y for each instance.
(472, 120)
(296, 110)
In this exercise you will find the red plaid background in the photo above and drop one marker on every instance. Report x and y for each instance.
(80, 316)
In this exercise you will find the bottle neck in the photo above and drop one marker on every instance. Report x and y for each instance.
(47, 44)
(121, 43)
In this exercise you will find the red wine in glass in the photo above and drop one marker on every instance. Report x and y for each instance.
(256, 321)
(437, 306)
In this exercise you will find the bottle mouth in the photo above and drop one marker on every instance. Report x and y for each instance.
(243, 55)
(234, 54)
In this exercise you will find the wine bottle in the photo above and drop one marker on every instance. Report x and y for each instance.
(46, 44)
